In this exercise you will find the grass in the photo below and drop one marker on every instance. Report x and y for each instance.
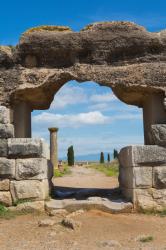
(21, 201)
(145, 239)
(7, 214)
(161, 213)
(58, 173)
(109, 169)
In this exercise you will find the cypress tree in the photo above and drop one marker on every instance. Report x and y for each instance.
(108, 157)
(70, 156)
(115, 154)
(101, 157)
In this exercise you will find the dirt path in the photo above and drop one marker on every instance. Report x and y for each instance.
(83, 177)
(98, 232)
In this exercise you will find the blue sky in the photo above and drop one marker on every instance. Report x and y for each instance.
(89, 116)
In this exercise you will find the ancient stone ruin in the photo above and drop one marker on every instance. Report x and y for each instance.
(120, 55)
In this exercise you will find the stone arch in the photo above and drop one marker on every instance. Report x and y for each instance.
(120, 55)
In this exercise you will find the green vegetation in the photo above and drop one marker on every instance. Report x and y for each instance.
(66, 170)
(101, 157)
(111, 169)
(21, 201)
(161, 213)
(70, 156)
(48, 28)
(7, 214)
(145, 239)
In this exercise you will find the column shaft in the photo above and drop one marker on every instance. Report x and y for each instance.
(53, 147)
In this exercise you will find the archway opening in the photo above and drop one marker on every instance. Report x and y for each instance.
(92, 120)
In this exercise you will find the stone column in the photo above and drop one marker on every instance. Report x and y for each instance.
(53, 147)
(22, 120)
(153, 113)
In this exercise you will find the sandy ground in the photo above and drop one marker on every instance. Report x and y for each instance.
(97, 230)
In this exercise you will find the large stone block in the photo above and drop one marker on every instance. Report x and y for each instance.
(148, 155)
(137, 177)
(34, 206)
(5, 198)
(126, 177)
(143, 177)
(27, 147)
(159, 177)
(4, 184)
(3, 148)
(4, 115)
(29, 190)
(149, 199)
(6, 131)
(158, 134)
(7, 168)
(33, 168)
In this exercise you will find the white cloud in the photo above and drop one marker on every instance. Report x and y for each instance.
(100, 106)
(104, 98)
(80, 119)
(69, 95)
(73, 120)
(75, 95)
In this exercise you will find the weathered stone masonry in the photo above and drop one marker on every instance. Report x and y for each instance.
(142, 176)
(25, 171)
(121, 55)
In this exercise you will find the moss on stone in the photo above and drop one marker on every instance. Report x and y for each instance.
(48, 28)
(7, 49)
(111, 23)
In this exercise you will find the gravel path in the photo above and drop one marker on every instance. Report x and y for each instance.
(83, 177)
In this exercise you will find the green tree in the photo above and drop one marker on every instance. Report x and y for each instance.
(108, 157)
(70, 156)
(101, 157)
(115, 154)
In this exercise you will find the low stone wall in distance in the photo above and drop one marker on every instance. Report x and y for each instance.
(25, 171)
(142, 176)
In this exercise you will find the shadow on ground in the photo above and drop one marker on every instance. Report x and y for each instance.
(60, 193)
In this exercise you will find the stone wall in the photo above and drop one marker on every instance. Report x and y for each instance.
(25, 171)
(142, 176)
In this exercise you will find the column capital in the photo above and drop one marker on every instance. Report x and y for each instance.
(53, 129)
